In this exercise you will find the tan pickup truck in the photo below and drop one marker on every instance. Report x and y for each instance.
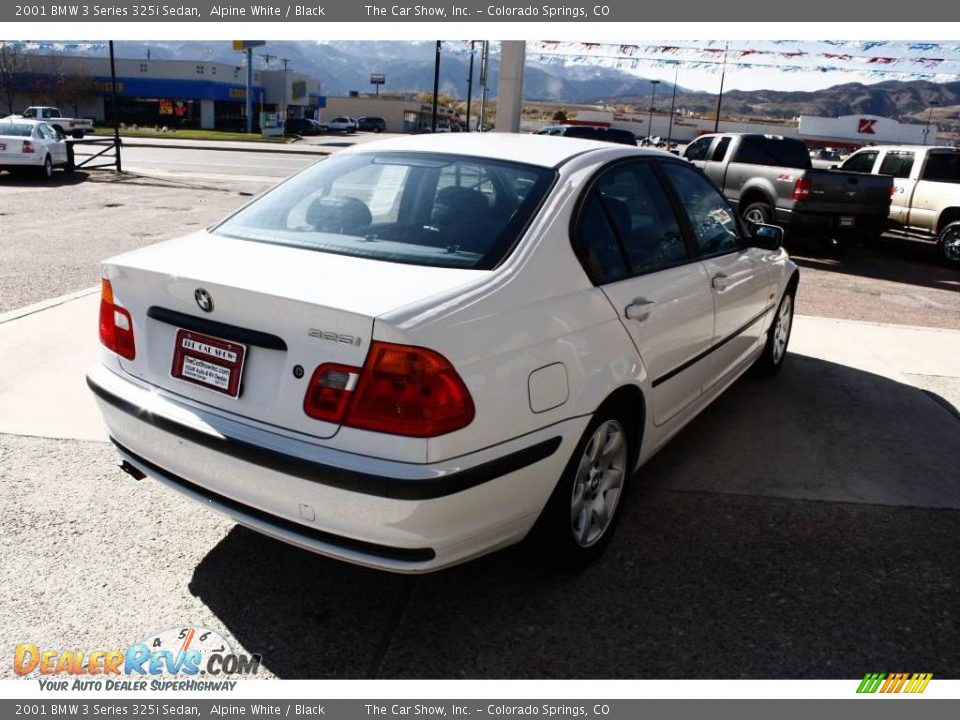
(926, 193)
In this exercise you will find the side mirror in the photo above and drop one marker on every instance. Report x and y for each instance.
(768, 237)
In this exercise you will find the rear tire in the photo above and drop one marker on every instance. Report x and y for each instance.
(578, 520)
(948, 244)
(758, 213)
(778, 337)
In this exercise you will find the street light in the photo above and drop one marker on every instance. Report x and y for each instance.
(926, 132)
(653, 97)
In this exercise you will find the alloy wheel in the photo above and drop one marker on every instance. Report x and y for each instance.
(598, 483)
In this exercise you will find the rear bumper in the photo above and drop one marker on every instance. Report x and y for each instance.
(403, 517)
(21, 160)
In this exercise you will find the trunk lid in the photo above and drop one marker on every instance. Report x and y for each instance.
(286, 306)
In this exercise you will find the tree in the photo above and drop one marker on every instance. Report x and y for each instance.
(13, 67)
(560, 115)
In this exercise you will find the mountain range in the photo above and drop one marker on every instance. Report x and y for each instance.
(342, 66)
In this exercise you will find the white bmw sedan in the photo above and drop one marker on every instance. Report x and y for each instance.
(31, 144)
(424, 349)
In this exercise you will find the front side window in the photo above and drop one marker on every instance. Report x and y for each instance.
(860, 162)
(697, 150)
(418, 208)
(714, 224)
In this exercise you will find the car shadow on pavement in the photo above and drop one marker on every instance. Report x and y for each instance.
(59, 179)
(894, 259)
(799, 528)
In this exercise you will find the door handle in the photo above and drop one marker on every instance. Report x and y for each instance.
(718, 282)
(638, 309)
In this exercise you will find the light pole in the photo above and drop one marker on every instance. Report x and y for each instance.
(673, 104)
(436, 88)
(653, 98)
(926, 132)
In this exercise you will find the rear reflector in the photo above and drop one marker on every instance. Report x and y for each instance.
(116, 325)
(801, 190)
(329, 392)
(401, 390)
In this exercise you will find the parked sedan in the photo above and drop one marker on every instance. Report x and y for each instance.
(31, 145)
(302, 126)
(422, 350)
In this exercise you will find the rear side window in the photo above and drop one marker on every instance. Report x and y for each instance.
(720, 151)
(778, 152)
(418, 208)
(628, 226)
(897, 164)
(861, 162)
(943, 167)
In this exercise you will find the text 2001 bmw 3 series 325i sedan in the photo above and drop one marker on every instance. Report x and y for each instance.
(422, 349)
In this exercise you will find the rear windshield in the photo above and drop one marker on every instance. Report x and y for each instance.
(419, 208)
(16, 129)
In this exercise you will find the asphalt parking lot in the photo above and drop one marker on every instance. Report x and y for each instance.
(803, 527)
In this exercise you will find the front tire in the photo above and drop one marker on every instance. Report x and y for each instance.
(46, 172)
(579, 518)
(778, 337)
(948, 244)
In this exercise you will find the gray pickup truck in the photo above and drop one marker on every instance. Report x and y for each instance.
(926, 196)
(770, 179)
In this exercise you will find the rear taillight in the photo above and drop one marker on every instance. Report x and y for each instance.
(116, 326)
(893, 190)
(329, 393)
(27, 147)
(401, 390)
(801, 190)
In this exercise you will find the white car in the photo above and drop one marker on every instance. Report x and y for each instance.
(342, 124)
(419, 350)
(444, 127)
(31, 144)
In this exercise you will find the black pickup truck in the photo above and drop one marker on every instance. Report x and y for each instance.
(770, 179)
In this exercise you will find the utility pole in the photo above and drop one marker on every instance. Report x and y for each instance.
(653, 99)
(723, 74)
(673, 104)
(436, 87)
(267, 58)
(470, 84)
(926, 132)
(484, 67)
(249, 89)
(286, 63)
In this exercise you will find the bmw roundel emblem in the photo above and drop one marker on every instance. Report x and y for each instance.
(204, 301)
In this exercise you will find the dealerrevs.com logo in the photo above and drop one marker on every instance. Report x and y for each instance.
(178, 658)
(911, 683)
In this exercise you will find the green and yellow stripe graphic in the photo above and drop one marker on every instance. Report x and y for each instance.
(894, 682)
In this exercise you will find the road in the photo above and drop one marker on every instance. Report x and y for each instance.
(197, 164)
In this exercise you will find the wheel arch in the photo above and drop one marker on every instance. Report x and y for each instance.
(948, 216)
(755, 194)
(630, 404)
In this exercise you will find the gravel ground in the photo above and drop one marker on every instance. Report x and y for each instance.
(53, 236)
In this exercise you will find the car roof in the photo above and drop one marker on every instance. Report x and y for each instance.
(542, 150)
(909, 148)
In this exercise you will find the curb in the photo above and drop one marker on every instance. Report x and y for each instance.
(46, 304)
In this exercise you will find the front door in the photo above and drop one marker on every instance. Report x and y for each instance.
(739, 278)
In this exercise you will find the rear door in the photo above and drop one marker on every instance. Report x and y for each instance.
(632, 245)
(715, 166)
(937, 188)
(899, 164)
(739, 278)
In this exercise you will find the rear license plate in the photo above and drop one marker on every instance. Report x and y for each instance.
(846, 221)
(209, 362)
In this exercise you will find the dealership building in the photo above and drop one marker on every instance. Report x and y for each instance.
(847, 132)
(401, 115)
(173, 93)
